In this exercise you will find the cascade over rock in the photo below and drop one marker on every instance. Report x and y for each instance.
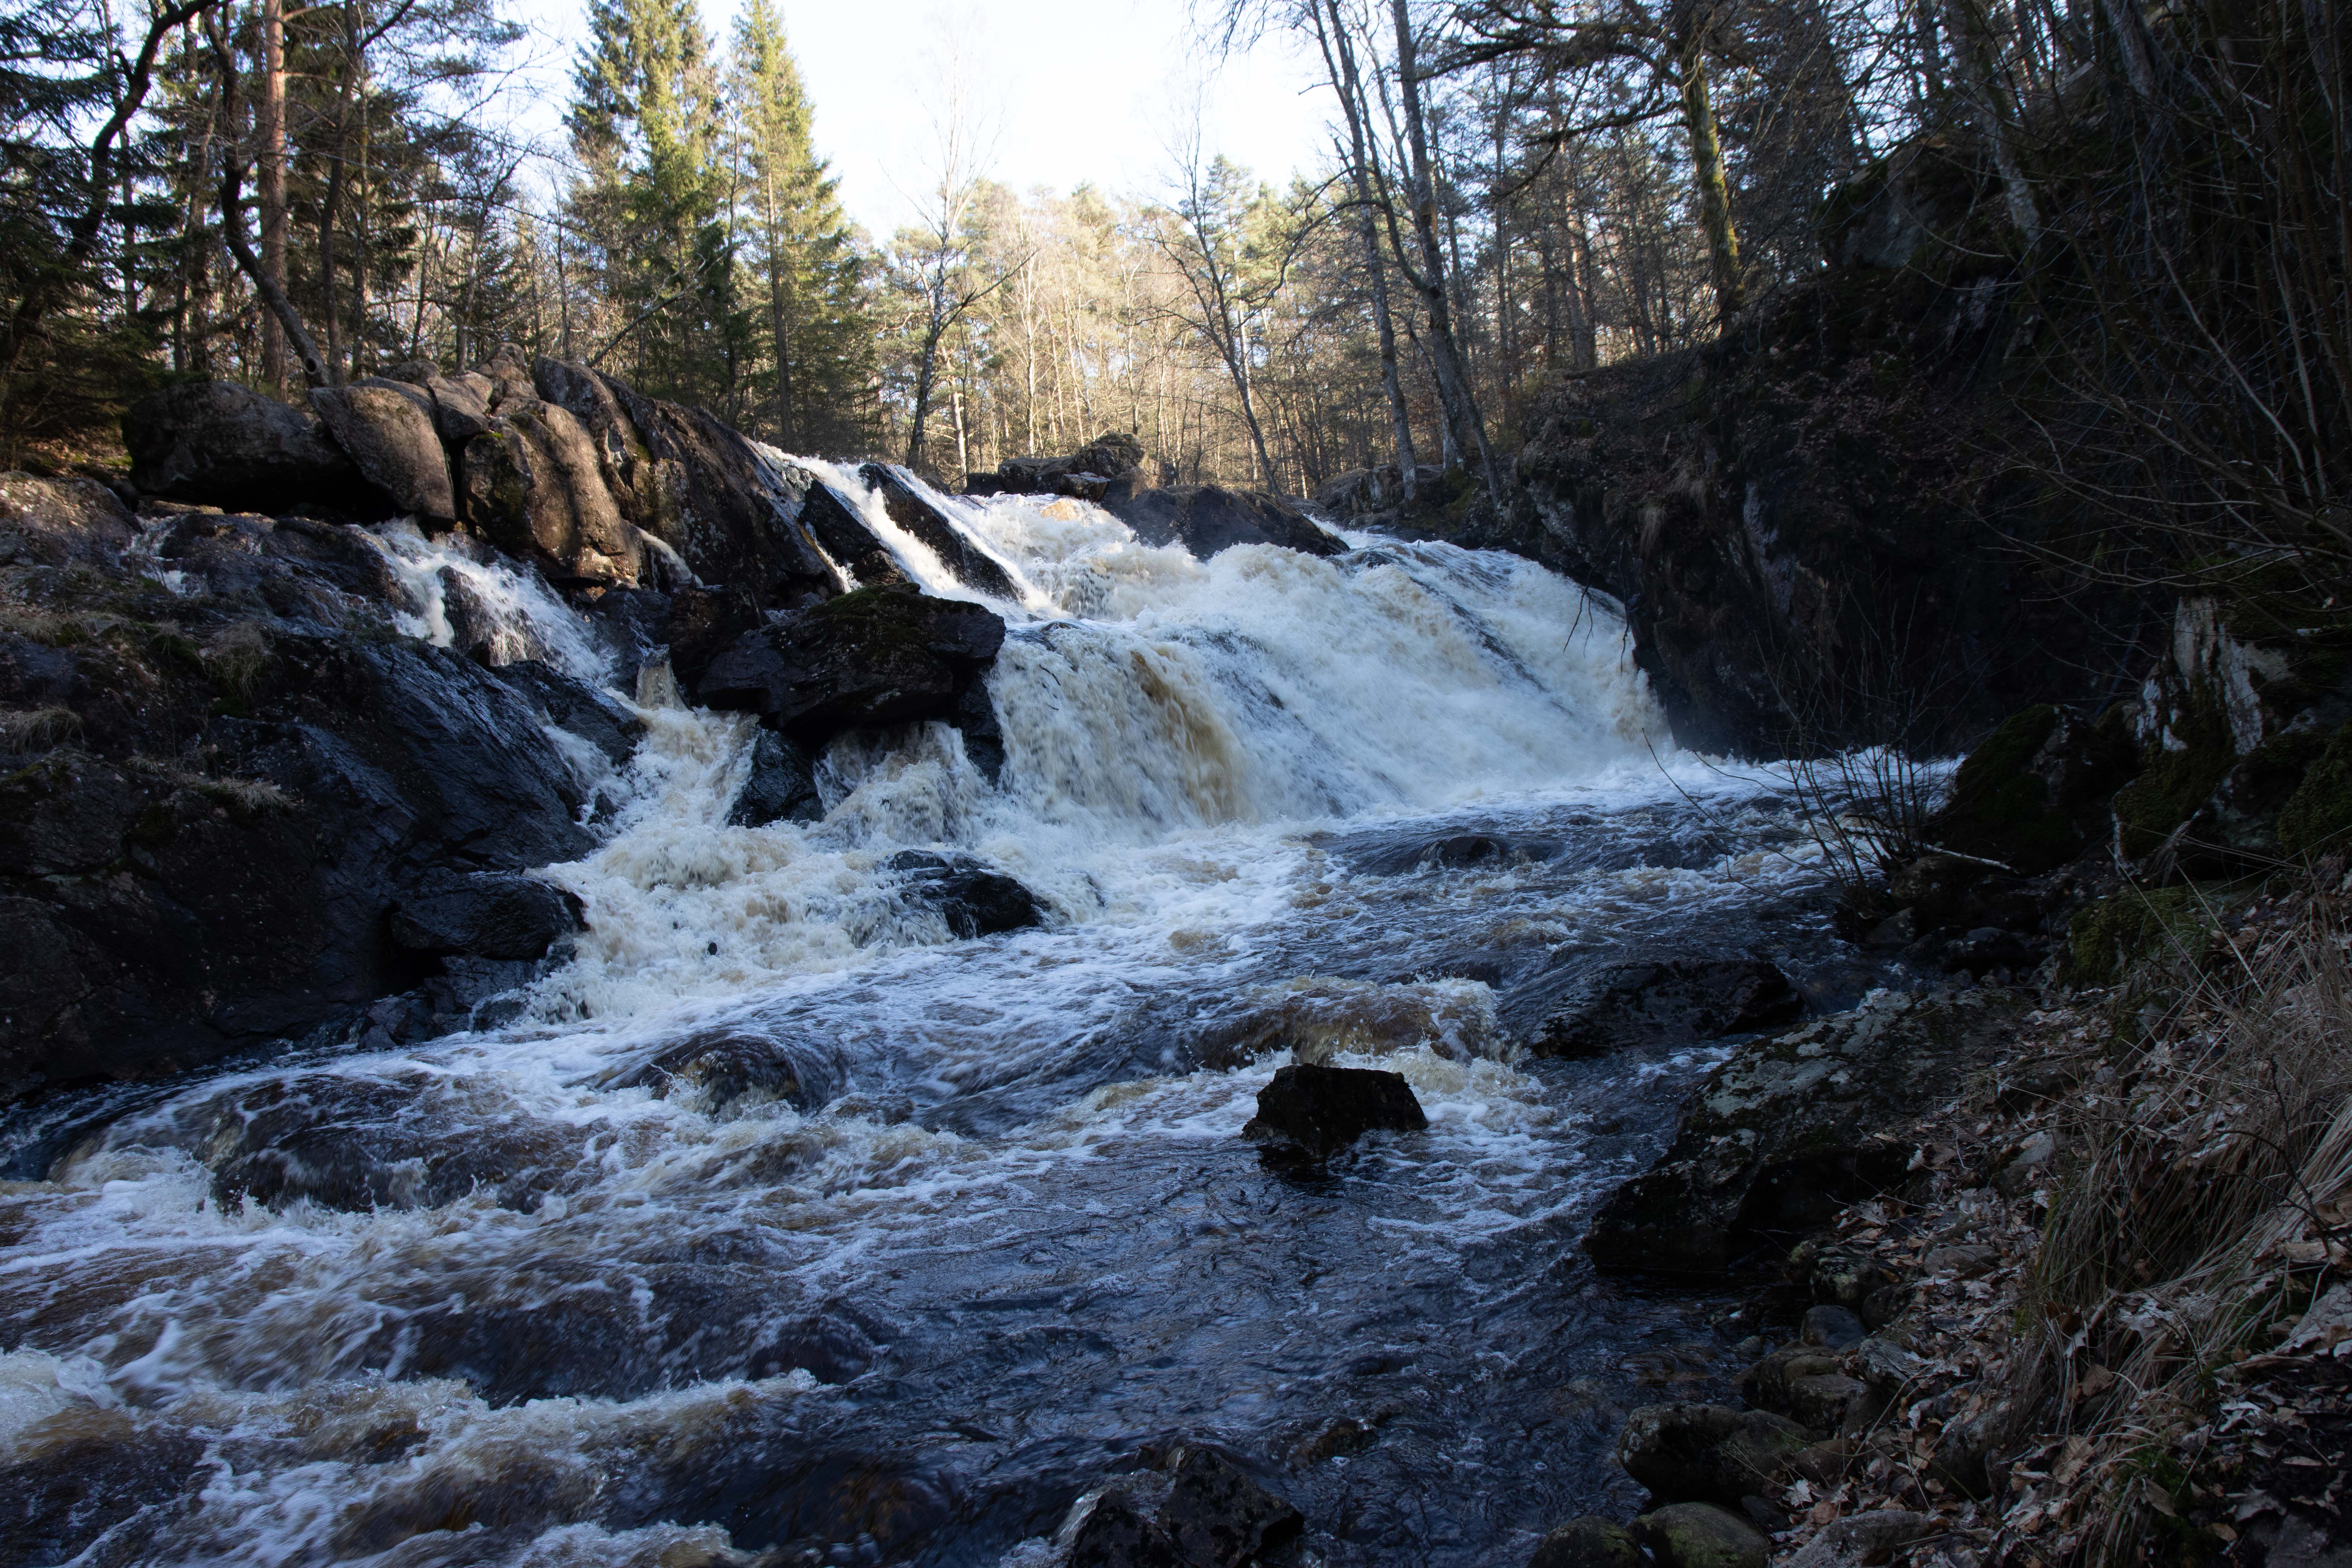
(1203, 518)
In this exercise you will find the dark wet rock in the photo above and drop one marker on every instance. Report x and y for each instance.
(832, 520)
(974, 899)
(983, 736)
(974, 567)
(1310, 1112)
(703, 624)
(781, 785)
(1208, 518)
(1205, 1512)
(534, 489)
(1707, 1453)
(357, 1142)
(1789, 1128)
(59, 523)
(880, 655)
(631, 627)
(1589, 1542)
(484, 914)
(164, 915)
(1830, 1326)
(1670, 1001)
(390, 431)
(1087, 474)
(107, 1480)
(574, 705)
(1766, 1385)
(723, 1068)
(228, 445)
(1701, 1535)
(687, 479)
(1387, 853)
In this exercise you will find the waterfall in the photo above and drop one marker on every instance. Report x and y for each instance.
(780, 1216)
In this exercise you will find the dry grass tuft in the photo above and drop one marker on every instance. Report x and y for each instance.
(38, 730)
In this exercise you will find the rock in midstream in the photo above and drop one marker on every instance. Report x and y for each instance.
(1310, 1112)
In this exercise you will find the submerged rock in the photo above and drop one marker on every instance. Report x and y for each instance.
(1207, 1513)
(1310, 1112)
(872, 657)
(1676, 1000)
(974, 901)
(1707, 1453)
(1789, 1128)
(724, 1069)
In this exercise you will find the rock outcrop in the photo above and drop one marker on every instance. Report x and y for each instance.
(1789, 1128)
(245, 809)
(1803, 521)
(228, 445)
(1670, 1001)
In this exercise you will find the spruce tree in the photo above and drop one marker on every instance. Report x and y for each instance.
(655, 201)
(809, 279)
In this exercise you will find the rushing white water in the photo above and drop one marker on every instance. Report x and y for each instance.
(982, 1214)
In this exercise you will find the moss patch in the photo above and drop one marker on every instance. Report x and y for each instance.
(2317, 818)
(2174, 783)
(2108, 937)
(2001, 811)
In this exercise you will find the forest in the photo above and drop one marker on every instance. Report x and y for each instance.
(1515, 191)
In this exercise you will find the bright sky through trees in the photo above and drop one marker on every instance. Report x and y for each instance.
(1087, 90)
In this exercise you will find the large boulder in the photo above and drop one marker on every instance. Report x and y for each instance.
(390, 431)
(534, 489)
(1112, 462)
(162, 917)
(1207, 518)
(728, 510)
(228, 445)
(461, 407)
(484, 914)
(832, 520)
(1708, 1453)
(1310, 1112)
(1791, 1129)
(60, 522)
(1702, 1535)
(880, 655)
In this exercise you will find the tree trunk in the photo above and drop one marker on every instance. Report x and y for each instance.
(1707, 164)
(269, 128)
(1988, 100)
(1445, 354)
(1339, 58)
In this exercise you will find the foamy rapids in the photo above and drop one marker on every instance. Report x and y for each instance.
(526, 1309)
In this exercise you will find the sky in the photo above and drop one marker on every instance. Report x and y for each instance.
(1080, 90)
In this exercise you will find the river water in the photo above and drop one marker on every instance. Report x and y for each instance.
(981, 1229)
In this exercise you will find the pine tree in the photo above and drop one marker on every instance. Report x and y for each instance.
(655, 204)
(817, 354)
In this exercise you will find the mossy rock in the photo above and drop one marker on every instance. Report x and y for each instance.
(1701, 1535)
(2317, 818)
(2108, 937)
(1589, 1542)
(2027, 794)
(2175, 782)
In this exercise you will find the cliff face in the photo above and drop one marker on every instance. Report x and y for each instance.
(1812, 523)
